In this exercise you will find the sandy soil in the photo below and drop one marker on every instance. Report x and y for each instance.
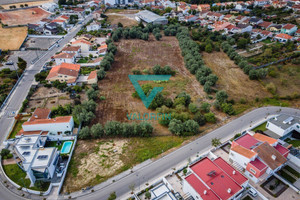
(126, 21)
(103, 162)
(139, 54)
(29, 3)
(23, 16)
(12, 38)
(232, 79)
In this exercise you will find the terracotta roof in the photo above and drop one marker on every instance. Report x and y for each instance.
(22, 132)
(71, 48)
(40, 113)
(264, 138)
(56, 120)
(64, 17)
(81, 41)
(98, 59)
(283, 35)
(64, 68)
(72, 80)
(266, 152)
(243, 151)
(265, 24)
(58, 20)
(92, 75)
(288, 26)
(64, 55)
(265, 32)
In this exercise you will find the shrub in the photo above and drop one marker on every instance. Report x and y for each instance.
(193, 108)
(271, 88)
(210, 117)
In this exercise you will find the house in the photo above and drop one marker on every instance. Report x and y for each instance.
(282, 37)
(283, 124)
(97, 14)
(72, 49)
(92, 78)
(85, 46)
(261, 2)
(194, 7)
(266, 34)
(64, 72)
(240, 18)
(264, 25)
(244, 28)
(162, 191)
(275, 28)
(289, 29)
(229, 18)
(297, 33)
(190, 18)
(116, 2)
(49, 6)
(51, 28)
(255, 21)
(60, 22)
(102, 50)
(203, 7)
(261, 156)
(150, 17)
(38, 162)
(64, 58)
(213, 180)
(232, 29)
(95, 26)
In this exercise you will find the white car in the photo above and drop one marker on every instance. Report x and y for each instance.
(252, 192)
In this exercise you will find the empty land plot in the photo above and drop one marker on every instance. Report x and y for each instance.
(12, 38)
(232, 79)
(6, 3)
(141, 55)
(23, 16)
(122, 11)
(115, 18)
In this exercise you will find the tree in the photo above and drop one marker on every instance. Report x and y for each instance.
(148, 195)
(191, 126)
(193, 108)
(207, 87)
(221, 96)
(92, 94)
(112, 196)
(158, 36)
(113, 128)
(210, 117)
(22, 64)
(97, 130)
(242, 43)
(176, 127)
(215, 142)
(205, 107)
(120, 24)
(199, 118)
(101, 73)
(5, 152)
(227, 108)
(84, 133)
(208, 48)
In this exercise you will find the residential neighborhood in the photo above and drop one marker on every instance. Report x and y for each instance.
(150, 99)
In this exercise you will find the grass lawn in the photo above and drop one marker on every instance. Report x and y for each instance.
(260, 127)
(267, 41)
(291, 170)
(86, 70)
(82, 60)
(54, 144)
(247, 198)
(286, 176)
(16, 129)
(16, 174)
(295, 143)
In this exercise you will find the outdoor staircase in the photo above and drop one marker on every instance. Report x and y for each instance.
(187, 196)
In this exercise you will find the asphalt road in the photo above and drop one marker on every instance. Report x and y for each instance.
(165, 164)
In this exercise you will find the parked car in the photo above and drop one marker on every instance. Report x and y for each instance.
(9, 63)
(252, 192)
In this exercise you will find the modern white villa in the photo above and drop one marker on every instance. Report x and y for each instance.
(283, 124)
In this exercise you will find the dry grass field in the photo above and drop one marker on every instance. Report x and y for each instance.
(12, 38)
(142, 55)
(126, 21)
(29, 3)
(232, 79)
(23, 16)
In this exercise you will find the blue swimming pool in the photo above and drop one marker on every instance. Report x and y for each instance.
(66, 147)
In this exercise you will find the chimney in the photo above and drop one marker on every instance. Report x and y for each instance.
(229, 190)
(273, 157)
(233, 172)
(205, 192)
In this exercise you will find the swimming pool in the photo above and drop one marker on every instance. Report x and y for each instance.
(66, 147)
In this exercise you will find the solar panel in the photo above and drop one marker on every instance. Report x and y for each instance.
(42, 157)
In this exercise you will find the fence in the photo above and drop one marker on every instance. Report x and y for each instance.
(278, 61)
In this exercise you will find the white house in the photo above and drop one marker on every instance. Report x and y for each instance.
(283, 124)
(85, 46)
(95, 26)
(244, 28)
(65, 58)
(72, 49)
(49, 6)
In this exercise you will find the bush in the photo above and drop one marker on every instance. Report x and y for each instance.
(210, 117)
(271, 88)
(84, 133)
(193, 108)
(191, 126)
(176, 127)
(205, 107)
(199, 118)
(228, 109)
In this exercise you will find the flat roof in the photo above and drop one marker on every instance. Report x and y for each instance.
(278, 121)
(43, 157)
(28, 140)
(149, 16)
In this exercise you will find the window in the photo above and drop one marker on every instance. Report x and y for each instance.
(253, 171)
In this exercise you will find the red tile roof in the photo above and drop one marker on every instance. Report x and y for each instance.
(64, 55)
(64, 68)
(284, 36)
(264, 138)
(282, 149)
(40, 113)
(92, 75)
(234, 174)
(71, 48)
(199, 187)
(247, 141)
(243, 151)
(216, 178)
(81, 41)
(258, 164)
(56, 120)
(288, 26)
